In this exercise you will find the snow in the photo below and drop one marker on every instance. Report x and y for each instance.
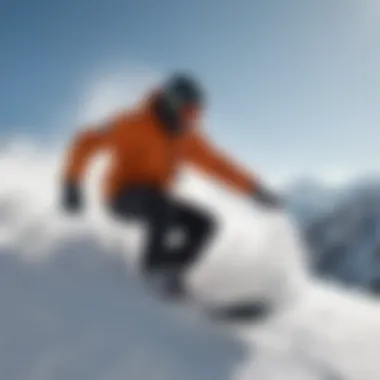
(72, 307)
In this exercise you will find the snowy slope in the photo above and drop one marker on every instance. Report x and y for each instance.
(78, 315)
(72, 308)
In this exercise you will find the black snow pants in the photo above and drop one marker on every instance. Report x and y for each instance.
(162, 215)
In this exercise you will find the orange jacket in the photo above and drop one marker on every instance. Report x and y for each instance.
(142, 153)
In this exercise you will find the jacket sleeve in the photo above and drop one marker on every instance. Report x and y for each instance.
(200, 152)
(83, 147)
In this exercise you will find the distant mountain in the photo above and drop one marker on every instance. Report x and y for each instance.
(342, 230)
(309, 199)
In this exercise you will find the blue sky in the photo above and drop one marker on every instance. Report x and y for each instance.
(294, 85)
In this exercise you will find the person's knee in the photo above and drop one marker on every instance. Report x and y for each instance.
(203, 226)
(210, 225)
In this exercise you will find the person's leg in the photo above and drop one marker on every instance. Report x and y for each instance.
(162, 215)
(158, 219)
(152, 208)
(165, 265)
(198, 227)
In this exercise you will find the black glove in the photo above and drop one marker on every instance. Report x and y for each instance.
(267, 198)
(72, 197)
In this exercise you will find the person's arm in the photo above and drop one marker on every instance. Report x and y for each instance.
(84, 146)
(200, 152)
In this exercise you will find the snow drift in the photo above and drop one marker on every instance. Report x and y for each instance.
(72, 308)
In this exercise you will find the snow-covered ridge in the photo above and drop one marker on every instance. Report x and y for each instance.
(77, 313)
(345, 239)
(72, 308)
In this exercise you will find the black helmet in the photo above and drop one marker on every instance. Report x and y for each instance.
(181, 89)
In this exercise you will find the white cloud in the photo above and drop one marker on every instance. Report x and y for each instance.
(112, 89)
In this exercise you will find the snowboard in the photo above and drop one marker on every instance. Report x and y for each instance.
(239, 311)
(243, 310)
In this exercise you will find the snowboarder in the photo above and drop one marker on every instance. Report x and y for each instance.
(147, 145)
